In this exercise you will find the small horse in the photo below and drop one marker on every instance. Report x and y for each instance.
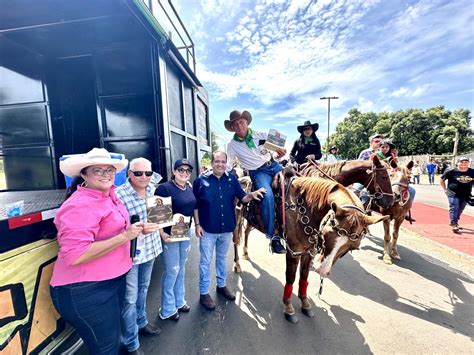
(370, 173)
(400, 178)
(321, 216)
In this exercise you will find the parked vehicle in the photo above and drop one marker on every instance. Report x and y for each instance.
(75, 75)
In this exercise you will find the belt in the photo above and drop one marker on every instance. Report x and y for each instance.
(264, 165)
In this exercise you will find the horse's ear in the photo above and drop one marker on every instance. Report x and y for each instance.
(334, 207)
(393, 164)
(376, 160)
(410, 165)
(375, 219)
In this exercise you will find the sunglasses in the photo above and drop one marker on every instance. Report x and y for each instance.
(183, 170)
(308, 128)
(140, 173)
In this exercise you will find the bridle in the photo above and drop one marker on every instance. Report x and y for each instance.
(405, 193)
(379, 193)
(315, 235)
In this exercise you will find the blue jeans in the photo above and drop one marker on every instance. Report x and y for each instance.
(360, 192)
(416, 179)
(431, 178)
(93, 308)
(456, 206)
(263, 177)
(208, 242)
(412, 192)
(174, 258)
(134, 307)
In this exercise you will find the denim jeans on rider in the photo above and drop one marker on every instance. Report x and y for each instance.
(93, 309)
(263, 177)
(134, 306)
(174, 258)
(456, 206)
(210, 241)
(412, 192)
(361, 192)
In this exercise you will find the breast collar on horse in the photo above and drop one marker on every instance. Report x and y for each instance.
(315, 235)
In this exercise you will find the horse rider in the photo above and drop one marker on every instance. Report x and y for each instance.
(332, 157)
(307, 146)
(247, 146)
(383, 147)
(385, 150)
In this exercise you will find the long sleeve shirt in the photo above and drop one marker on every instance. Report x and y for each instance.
(250, 158)
(300, 151)
(86, 217)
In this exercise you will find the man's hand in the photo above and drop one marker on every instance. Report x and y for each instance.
(199, 231)
(280, 152)
(310, 157)
(258, 194)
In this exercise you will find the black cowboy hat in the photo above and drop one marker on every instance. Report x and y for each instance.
(314, 126)
(335, 148)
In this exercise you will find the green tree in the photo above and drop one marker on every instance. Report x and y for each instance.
(414, 131)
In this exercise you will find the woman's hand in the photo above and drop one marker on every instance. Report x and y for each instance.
(150, 228)
(165, 237)
(133, 231)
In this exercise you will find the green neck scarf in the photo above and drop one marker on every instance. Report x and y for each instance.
(308, 139)
(248, 139)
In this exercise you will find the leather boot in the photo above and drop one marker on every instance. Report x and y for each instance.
(207, 301)
(224, 291)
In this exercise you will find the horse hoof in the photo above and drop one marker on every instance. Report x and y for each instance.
(396, 256)
(387, 261)
(308, 312)
(292, 318)
(237, 269)
(246, 257)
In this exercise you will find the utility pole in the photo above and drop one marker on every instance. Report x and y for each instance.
(455, 149)
(329, 98)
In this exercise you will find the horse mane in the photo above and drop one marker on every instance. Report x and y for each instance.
(333, 169)
(316, 191)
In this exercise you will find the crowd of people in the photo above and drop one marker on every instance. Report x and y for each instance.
(100, 284)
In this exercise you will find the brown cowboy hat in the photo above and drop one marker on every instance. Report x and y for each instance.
(234, 116)
(314, 126)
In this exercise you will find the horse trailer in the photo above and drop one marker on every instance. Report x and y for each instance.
(78, 74)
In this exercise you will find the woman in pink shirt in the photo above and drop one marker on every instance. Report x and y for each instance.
(94, 234)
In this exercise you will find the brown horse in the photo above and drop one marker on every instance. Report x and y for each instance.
(321, 217)
(400, 178)
(370, 173)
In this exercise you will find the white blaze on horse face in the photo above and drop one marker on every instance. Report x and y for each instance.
(325, 268)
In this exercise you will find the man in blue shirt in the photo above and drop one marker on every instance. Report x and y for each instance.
(430, 169)
(214, 217)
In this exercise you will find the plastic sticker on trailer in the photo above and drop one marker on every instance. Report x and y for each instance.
(49, 214)
(22, 221)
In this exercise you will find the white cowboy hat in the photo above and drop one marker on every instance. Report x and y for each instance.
(73, 165)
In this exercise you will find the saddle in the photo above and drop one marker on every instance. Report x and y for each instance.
(252, 211)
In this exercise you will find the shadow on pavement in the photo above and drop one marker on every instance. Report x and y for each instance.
(253, 324)
(461, 300)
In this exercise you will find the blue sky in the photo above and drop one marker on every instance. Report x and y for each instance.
(276, 58)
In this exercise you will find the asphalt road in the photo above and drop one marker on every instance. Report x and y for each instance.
(422, 304)
(434, 195)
